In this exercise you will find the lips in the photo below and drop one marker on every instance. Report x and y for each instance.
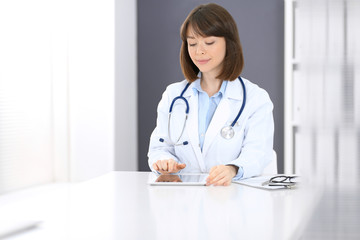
(203, 61)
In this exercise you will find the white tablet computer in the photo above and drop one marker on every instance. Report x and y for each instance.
(186, 179)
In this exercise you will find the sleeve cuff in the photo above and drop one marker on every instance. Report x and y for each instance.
(240, 172)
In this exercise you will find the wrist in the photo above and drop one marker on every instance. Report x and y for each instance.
(234, 169)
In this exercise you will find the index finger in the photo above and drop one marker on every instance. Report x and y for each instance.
(171, 166)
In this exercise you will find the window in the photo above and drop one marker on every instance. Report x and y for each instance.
(56, 91)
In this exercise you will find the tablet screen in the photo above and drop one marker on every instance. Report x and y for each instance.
(180, 179)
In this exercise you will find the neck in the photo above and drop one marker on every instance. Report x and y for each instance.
(210, 84)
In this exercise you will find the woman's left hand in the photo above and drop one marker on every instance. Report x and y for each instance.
(221, 175)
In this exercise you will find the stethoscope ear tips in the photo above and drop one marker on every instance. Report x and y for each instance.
(161, 140)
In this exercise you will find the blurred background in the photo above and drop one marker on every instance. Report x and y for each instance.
(80, 82)
(261, 30)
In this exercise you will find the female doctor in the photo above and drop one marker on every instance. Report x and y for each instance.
(214, 121)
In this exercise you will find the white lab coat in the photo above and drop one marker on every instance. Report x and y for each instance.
(251, 147)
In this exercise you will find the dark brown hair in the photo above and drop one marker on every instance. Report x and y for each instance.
(212, 20)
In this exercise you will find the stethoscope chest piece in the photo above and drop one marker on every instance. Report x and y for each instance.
(227, 132)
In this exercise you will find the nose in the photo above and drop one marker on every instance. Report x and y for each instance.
(200, 49)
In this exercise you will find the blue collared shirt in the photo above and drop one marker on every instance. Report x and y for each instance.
(207, 106)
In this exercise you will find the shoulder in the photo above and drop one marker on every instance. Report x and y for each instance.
(256, 97)
(254, 92)
(176, 88)
(177, 85)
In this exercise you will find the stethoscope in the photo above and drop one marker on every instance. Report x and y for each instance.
(226, 132)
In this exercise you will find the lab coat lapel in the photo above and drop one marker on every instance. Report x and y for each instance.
(233, 91)
(192, 127)
(218, 121)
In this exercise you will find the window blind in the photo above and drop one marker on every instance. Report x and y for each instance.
(25, 95)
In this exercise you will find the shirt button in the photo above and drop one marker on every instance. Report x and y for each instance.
(202, 135)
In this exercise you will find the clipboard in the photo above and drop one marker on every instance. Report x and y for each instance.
(262, 182)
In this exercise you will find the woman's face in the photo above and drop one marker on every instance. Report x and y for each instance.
(207, 53)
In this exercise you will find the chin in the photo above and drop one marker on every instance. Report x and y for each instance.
(203, 70)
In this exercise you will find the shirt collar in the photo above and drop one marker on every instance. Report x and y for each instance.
(197, 87)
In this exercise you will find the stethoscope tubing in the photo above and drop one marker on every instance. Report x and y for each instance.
(187, 112)
(243, 103)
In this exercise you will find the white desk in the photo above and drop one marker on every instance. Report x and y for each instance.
(121, 205)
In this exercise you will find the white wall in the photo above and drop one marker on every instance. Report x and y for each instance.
(91, 88)
(83, 88)
(126, 85)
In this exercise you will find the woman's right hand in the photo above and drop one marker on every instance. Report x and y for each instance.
(168, 166)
